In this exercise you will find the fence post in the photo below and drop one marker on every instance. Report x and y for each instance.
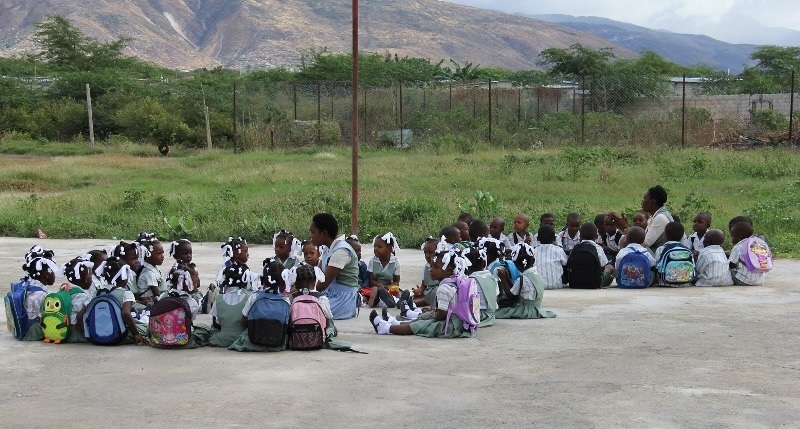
(424, 98)
(519, 105)
(490, 111)
(683, 113)
(401, 113)
(450, 105)
(583, 109)
(89, 113)
(234, 117)
(791, 111)
(294, 98)
(319, 114)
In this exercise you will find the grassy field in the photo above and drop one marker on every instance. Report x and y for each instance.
(128, 188)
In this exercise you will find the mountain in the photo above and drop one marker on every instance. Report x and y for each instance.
(245, 34)
(685, 49)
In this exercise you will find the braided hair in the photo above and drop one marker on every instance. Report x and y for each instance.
(77, 269)
(180, 277)
(146, 242)
(114, 271)
(176, 245)
(272, 275)
(232, 247)
(39, 262)
(237, 274)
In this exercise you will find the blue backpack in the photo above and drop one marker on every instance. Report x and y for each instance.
(634, 271)
(676, 266)
(268, 320)
(102, 321)
(16, 315)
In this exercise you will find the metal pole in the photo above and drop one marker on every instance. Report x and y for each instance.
(354, 194)
(401, 113)
(490, 111)
(234, 117)
(89, 113)
(583, 109)
(683, 113)
(294, 98)
(519, 105)
(319, 114)
(791, 110)
(450, 106)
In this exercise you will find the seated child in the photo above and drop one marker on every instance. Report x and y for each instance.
(488, 288)
(477, 230)
(274, 284)
(520, 233)
(40, 272)
(545, 219)
(452, 236)
(446, 267)
(612, 238)
(635, 238)
(588, 266)
(182, 285)
(363, 274)
(700, 225)
(641, 219)
(79, 274)
(673, 234)
(549, 259)
(129, 254)
(287, 247)
(496, 231)
(712, 264)
(463, 231)
(149, 281)
(235, 250)
(527, 293)
(739, 272)
(384, 272)
(226, 311)
(303, 279)
(115, 274)
(181, 250)
(424, 294)
(311, 253)
(570, 236)
(599, 222)
(97, 257)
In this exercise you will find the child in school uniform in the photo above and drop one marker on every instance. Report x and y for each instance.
(528, 289)
(40, 272)
(226, 312)
(79, 274)
(611, 238)
(181, 250)
(129, 254)
(635, 238)
(287, 248)
(116, 273)
(700, 225)
(303, 279)
(712, 264)
(181, 284)
(545, 219)
(520, 233)
(496, 231)
(384, 271)
(549, 259)
(570, 236)
(588, 233)
(272, 283)
(739, 272)
(673, 233)
(446, 267)
(363, 274)
(488, 288)
(149, 281)
(96, 257)
(641, 219)
(311, 253)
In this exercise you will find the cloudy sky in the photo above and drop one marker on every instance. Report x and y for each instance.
(736, 21)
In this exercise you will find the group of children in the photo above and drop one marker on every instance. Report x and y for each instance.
(474, 274)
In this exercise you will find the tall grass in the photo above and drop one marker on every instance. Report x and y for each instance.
(412, 193)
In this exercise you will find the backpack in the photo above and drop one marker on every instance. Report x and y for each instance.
(16, 315)
(676, 265)
(268, 320)
(468, 304)
(56, 310)
(757, 255)
(634, 271)
(170, 322)
(307, 323)
(103, 324)
(583, 267)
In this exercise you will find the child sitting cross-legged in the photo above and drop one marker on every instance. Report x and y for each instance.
(226, 311)
(488, 288)
(742, 276)
(384, 272)
(588, 266)
(673, 267)
(630, 275)
(712, 264)
(40, 272)
(549, 258)
(524, 298)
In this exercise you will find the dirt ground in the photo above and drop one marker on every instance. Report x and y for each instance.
(656, 358)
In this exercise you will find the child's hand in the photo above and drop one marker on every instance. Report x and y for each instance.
(65, 287)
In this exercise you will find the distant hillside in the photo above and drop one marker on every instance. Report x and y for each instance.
(685, 49)
(262, 33)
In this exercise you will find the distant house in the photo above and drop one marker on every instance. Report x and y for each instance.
(693, 85)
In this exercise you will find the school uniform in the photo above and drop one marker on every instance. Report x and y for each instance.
(695, 242)
(123, 295)
(290, 261)
(33, 307)
(227, 309)
(342, 292)
(79, 301)
(506, 242)
(654, 234)
(634, 247)
(194, 306)
(384, 274)
(530, 289)
(363, 274)
(568, 243)
(488, 289)
(712, 267)
(515, 238)
(430, 286)
(741, 275)
(149, 275)
(612, 242)
(549, 261)
(606, 277)
(427, 326)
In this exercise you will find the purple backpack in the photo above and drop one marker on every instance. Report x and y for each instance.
(757, 255)
(468, 304)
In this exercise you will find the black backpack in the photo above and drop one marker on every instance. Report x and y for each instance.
(583, 267)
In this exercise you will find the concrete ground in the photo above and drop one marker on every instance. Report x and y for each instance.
(656, 358)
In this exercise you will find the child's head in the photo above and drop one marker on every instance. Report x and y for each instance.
(324, 228)
(236, 275)
(547, 219)
(574, 224)
(181, 250)
(673, 231)
(522, 255)
(272, 275)
(96, 257)
(635, 235)
(640, 219)
(463, 230)
(740, 231)
(180, 278)
(477, 258)
(494, 248)
(588, 231)
(282, 242)
(465, 217)
(429, 248)
(448, 263)
(451, 234)
(739, 219)
(41, 265)
(609, 225)
(115, 272)
(521, 222)
(600, 222)
(352, 240)
(385, 246)
(713, 237)
(150, 249)
(477, 230)
(310, 253)
(546, 234)
(235, 249)
(126, 252)
(496, 227)
(701, 222)
(78, 271)
(304, 276)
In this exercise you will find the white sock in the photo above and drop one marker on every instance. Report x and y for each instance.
(411, 314)
(392, 321)
(383, 327)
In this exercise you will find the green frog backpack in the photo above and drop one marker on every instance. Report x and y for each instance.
(56, 309)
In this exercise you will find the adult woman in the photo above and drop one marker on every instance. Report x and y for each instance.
(653, 203)
(340, 264)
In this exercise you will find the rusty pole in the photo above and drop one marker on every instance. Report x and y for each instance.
(354, 198)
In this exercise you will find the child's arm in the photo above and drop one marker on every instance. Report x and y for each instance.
(396, 279)
(131, 324)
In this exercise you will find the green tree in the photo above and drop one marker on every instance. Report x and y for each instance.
(773, 69)
(65, 46)
(576, 61)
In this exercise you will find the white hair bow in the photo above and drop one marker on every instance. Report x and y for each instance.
(76, 270)
(41, 262)
(387, 238)
(124, 273)
(521, 247)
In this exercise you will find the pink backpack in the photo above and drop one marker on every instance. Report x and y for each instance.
(170, 323)
(468, 304)
(757, 255)
(307, 323)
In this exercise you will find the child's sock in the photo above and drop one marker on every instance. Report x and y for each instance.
(411, 314)
(392, 321)
(383, 327)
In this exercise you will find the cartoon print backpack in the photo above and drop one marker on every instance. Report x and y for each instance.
(56, 310)
(676, 266)
(16, 316)
(307, 323)
(634, 271)
(103, 324)
(268, 320)
(170, 323)
(757, 255)
(583, 268)
(468, 304)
